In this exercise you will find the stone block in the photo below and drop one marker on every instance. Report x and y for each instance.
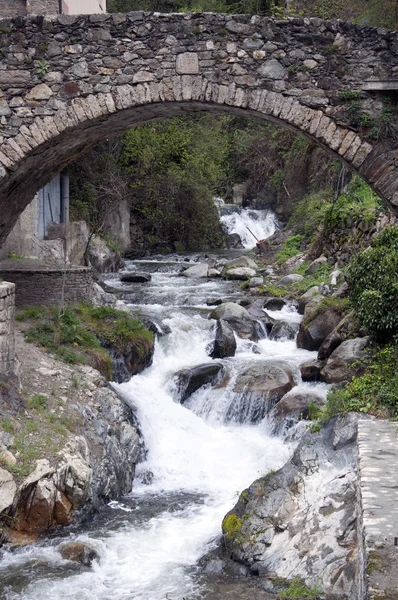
(187, 63)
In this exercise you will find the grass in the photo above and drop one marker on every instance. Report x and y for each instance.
(297, 590)
(290, 247)
(79, 335)
(37, 402)
(6, 425)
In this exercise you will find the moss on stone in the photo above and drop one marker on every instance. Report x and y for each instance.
(231, 525)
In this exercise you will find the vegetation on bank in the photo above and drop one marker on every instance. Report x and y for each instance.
(79, 334)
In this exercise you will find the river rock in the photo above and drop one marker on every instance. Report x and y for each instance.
(290, 279)
(313, 332)
(199, 270)
(257, 389)
(316, 264)
(188, 381)
(329, 344)
(256, 282)
(313, 291)
(302, 519)
(293, 407)
(284, 330)
(80, 552)
(233, 241)
(238, 318)
(102, 258)
(214, 273)
(135, 277)
(339, 366)
(225, 342)
(311, 370)
(274, 303)
(240, 273)
(241, 261)
(7, 489)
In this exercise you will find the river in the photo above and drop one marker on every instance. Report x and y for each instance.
(198, 458)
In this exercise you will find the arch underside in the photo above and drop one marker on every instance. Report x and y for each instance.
(96, 119)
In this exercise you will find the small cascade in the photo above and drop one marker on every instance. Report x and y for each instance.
(251, 225)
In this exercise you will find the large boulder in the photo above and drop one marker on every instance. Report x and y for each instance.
(316, 264)
(199, 270)
(135, 277)
(340, 365)
(240, 273)
(313, 332)
(241, 261)
(257, 389)
(293, 407)
(238, 318)
(311, 370)
(7, 489)
(225, 342)
(188, 381)
(284, 330)
(274, 303)
(102, 258)
(290, 279)
(302, 519)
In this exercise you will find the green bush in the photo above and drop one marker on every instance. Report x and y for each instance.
(373, 285)
(375, 391)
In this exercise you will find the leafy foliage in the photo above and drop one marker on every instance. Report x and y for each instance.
(358, 202)
(373, 285)
(375, 392)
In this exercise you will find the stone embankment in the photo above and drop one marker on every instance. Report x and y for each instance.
(66, 448)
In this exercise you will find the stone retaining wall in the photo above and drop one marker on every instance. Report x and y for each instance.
(45, 288)
(7, 332)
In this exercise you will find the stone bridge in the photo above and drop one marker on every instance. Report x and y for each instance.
(69, 82)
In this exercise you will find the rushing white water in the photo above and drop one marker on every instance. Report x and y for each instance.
(243, 221)
(199, 463)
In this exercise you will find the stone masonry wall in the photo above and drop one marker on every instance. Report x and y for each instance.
(44, 288)
(7, 332)
(68, 82)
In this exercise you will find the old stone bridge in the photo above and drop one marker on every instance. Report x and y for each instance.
(68, 82)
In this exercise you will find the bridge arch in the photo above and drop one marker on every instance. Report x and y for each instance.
(91, 77)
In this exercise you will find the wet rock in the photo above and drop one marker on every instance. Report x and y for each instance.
(339, 366)
(257, 389)
(135, 277)
(329, 344)
(238, 318)
(302, 520)
(313, 332)
(240, 273)
(199, 270)
(293, 407)
(214, 273)
(190, 380)
(311, 370)
(214, 301)
(274, 303)
(290, 279)
(284, 330)
(233, 241)
(102, 258)
(80, 552)
(225, 342)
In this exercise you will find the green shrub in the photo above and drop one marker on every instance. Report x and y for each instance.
(298, 590)
(373, 285)
(358, 202)
(375, 391)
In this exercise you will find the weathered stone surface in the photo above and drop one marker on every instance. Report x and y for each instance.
(340, 364)
(80, 552)
(240, 273)
(189, 381)
(238, 318)
(273, 68)
(224, 343)
(311, 370)
(290, 279)
(7, 489)
(199, 270)
(302, 520)
(102, 258)
(312, 332)
(293, 407)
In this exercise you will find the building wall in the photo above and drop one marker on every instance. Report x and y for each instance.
(83, 7)
(12, 8)
(42, 7)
